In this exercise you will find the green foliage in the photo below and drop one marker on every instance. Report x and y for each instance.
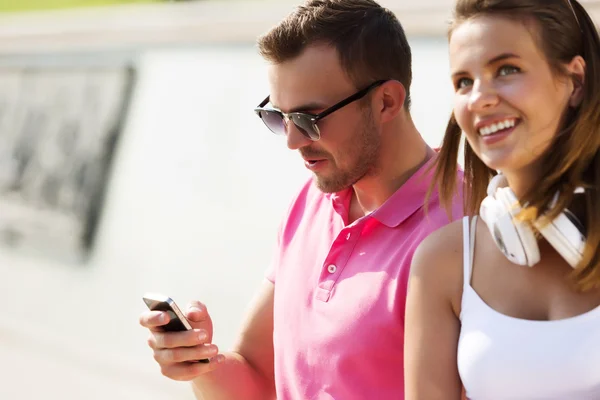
(37, 5)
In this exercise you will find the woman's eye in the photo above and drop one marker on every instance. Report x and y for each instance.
(463, 83)
(508, 70)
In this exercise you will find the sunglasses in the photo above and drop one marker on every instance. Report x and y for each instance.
(277, 121)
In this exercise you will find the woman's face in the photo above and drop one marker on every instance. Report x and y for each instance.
(507, 100)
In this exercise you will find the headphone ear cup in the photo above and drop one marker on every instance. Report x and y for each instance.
(492, 214)
(490, 210)
(565, 237)
(499, 220)
(497, 182)
(523, 242)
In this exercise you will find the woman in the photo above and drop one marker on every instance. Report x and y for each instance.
(506, 305)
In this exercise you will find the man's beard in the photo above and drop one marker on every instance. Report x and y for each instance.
(362, 150)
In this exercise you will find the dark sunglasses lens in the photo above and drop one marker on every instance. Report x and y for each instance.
(305, 124)
(273, 121)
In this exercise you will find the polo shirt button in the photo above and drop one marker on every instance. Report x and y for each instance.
(348, 236)
(332, 268)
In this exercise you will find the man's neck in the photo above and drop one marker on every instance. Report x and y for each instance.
(372, 191)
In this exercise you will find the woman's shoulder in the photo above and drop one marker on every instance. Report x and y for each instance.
(441, 243)
(438, 261)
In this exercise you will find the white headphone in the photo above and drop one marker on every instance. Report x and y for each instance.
(517, 239)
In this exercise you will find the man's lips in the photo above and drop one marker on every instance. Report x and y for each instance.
(313, 160)
(314, 164)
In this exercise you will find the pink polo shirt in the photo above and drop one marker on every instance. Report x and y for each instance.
(340, 292)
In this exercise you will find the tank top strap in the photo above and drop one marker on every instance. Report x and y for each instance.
(469, 226)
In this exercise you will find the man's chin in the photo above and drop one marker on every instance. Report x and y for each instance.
(330, 185)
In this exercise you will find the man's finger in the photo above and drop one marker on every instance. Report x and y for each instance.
(154, 319)
(169, 340)
(185, 354)
(189, 371)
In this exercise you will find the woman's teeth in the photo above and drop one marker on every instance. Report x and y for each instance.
(498, 126)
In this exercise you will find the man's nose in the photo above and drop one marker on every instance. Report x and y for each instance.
(296, 139)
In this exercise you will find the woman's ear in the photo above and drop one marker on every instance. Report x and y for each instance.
(576, 70)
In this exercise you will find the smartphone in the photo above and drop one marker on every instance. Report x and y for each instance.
(177, 321)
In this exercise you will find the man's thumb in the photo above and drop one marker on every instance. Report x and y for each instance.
(196, 311)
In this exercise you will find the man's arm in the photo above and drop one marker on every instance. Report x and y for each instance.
(247, 371)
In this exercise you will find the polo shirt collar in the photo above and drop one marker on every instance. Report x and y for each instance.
(407, 200)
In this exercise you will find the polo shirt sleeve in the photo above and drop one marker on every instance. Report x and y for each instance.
(278, 247)
(272, 268)
(287, 227)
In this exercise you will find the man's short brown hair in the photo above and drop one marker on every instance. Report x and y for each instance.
(369, 39)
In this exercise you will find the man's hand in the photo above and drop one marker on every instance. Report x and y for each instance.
(177, 352)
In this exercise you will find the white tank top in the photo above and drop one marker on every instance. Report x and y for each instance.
(505, 358)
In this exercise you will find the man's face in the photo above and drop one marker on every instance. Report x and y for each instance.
(350, 140)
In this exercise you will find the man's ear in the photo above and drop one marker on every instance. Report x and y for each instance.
(391, 96)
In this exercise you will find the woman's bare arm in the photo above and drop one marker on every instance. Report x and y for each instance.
(432, 327)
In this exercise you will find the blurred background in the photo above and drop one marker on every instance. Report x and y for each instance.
(131, 161)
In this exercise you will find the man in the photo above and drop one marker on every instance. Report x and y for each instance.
(328, 321)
